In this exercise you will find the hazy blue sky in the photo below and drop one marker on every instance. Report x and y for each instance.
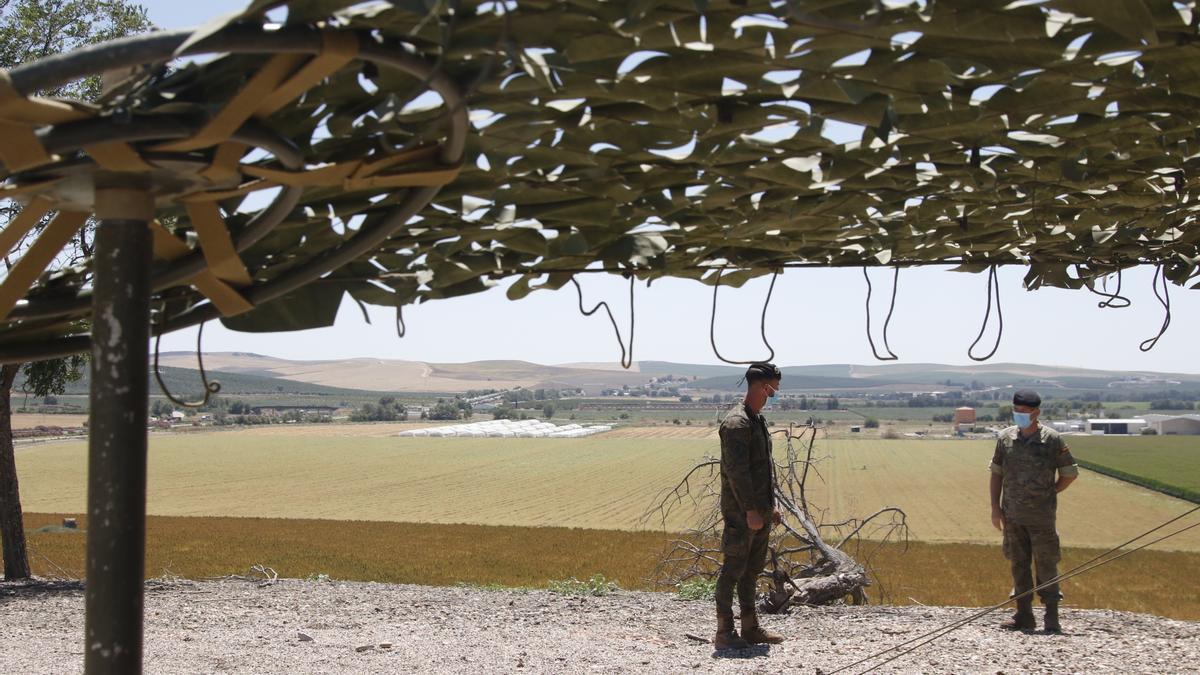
(816, 316)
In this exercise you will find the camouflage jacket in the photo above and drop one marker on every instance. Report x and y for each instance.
(747, 470)
(1030, 467)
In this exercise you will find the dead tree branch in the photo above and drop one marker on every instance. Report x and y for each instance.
(803, 568)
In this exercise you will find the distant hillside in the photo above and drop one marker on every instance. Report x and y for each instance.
(186, 383)
(264, 374)
(388, 375)
(934, 376)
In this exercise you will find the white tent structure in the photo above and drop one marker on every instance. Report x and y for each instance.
(508, 429)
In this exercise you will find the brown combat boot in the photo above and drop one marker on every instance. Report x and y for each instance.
(727, 637)
(1051, 619)
(756, 634)
(1022, 619)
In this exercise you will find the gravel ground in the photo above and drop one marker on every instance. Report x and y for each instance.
(334, 627)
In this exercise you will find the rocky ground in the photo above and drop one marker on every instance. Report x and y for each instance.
(326, 627)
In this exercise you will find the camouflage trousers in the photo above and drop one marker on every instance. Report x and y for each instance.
(744, 553)
(1035, 546)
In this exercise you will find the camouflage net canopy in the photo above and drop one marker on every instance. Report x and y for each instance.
(679, 138)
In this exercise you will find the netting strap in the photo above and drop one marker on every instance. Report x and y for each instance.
(20, 116)
(21, 277)
(227, 300)
(216, 243)
(18, 227)
(282, 79)
(712, 323)
(118, 156)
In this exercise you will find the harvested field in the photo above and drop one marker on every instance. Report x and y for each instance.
(929, 574)
(694, 432)
(33, 420)
(597, 482)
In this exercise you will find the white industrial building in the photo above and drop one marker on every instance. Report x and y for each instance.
(1116, 426)
(509, 429)
(1174, 425)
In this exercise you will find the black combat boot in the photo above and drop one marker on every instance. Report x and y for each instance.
(756, 634)
(727, 637)
(1022, 619)
(1051, 619)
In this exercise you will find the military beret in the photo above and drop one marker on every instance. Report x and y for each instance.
(758, 372)
(1028, 398)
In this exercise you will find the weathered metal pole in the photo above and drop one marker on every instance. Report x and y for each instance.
(116, 525)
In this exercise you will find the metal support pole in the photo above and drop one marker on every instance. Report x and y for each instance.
(116, 525)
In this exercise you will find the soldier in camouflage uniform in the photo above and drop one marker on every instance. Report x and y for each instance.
(748, 509)
(1024, 492)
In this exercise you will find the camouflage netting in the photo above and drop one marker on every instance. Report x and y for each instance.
(674, 138)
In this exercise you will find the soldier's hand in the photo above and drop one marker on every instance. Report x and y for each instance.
(997, 519)
(753, 520)
(776, 516)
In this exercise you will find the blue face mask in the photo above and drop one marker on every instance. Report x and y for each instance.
(1022, 420)
(773, 393)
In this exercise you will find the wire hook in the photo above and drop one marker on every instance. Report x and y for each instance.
(210, 388)
(993, 286)
(1165, 301)
(626, 363)
(712, 325)
(895, 283)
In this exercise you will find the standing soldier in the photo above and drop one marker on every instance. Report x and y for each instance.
(1024, 491)
(748, 508)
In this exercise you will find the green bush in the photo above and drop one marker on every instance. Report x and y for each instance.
(697, 589)
(871, 423)
(597, 585)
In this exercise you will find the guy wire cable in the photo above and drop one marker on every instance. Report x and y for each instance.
(891, 355)
(1165, 301)
(950, 628)
(712, 324)
(993, 284)
(210, 387)
(625, 363)
(1087, 566)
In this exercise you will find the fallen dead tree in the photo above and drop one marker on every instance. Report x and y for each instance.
(803, 567)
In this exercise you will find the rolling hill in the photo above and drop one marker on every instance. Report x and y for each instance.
(384, 375)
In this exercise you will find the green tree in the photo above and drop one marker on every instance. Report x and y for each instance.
(444, 410)
(31, 30)
(548, 410)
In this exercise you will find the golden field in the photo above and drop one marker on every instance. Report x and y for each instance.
(932, 574)
(357, 472)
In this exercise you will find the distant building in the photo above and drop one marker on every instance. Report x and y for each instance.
(1116, 426)
(964, 415)
(1174, 425)
(1067, 426)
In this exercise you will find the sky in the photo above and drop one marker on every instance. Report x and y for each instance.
(815, 316)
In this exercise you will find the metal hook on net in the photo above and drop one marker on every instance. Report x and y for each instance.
(712, 325)
(895, 283)
(1111, 299)
(210, 387)
(993, 287)
(1165, 300)
(626, 356)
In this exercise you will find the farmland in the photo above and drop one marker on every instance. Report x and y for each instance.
(944, 574)
(1163, 461)
(600, 482)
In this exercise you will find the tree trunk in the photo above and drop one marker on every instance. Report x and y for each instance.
(12, 527)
